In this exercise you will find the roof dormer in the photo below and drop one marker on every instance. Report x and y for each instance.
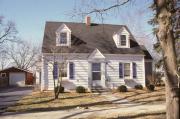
(121, 38)
(63, 36)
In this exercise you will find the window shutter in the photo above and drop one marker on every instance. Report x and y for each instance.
(120, 70)
(71, 70)
(55, 70)
(134, 70)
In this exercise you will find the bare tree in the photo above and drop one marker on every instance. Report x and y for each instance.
(24, 55)
(4, 60)
(165, 10)
(7, 31)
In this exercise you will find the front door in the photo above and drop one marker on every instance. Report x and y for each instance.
(96, 74)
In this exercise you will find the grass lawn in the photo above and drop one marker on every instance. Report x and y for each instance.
(44, 101)
(144, 96)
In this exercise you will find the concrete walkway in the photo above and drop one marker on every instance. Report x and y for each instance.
(116, 100)
(92, 112)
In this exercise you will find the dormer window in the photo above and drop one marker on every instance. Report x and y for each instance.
(63, 38)
(122, 40)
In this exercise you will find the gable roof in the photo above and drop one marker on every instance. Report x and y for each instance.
(85, 39)
(147, 54)
(14, 69)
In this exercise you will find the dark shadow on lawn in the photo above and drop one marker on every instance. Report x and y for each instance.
(82, 105)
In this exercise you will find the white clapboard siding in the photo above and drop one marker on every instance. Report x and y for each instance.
(113, 69)
(82, 72)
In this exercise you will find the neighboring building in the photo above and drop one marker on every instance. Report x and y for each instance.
(15, 77)
(95, 55)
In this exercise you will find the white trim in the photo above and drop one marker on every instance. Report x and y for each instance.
(117, 37)
(96, 51)
(119, 43)
(131, 70)
(130, 77)
(63, 29)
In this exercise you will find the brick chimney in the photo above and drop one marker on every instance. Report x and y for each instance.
(88, 20)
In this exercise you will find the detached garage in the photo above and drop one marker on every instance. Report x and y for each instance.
(15, 77)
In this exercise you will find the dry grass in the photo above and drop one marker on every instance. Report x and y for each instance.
(44, 101)
(144, 96)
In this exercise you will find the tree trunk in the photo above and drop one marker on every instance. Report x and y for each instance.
(167, 42)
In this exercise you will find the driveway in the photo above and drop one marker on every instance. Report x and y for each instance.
(10, 95)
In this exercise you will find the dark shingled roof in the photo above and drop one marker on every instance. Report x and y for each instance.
(84, 39)
(147, 54)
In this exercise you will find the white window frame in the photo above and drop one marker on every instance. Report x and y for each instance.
(130, 76)
(131, 71)
(66, 66)
(123, 46)
(63, 29)
(66, 38)
(99, 71)
(59, 38)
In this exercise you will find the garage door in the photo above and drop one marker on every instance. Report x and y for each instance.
(17, 79)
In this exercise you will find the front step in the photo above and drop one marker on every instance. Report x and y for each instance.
(99, 89)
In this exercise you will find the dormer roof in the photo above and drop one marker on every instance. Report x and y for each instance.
(85, 39)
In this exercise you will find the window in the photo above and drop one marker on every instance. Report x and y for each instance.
(127, 70)
(63, 69)
(123, 40)
(3, 74)
(134, 68)
(96, 71)
(71, 70)
(120, 70)
(63, 38)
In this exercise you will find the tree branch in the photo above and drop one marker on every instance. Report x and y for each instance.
(101, 11)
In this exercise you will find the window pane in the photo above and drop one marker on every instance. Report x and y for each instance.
(63, 38)
(127, 69)
(120, 70)
(63, 69)
(96, 66)
(123, 40)
(96, 75)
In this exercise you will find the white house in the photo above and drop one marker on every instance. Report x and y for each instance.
(93, 55)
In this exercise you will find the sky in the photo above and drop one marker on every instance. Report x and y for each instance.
(30, 15)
